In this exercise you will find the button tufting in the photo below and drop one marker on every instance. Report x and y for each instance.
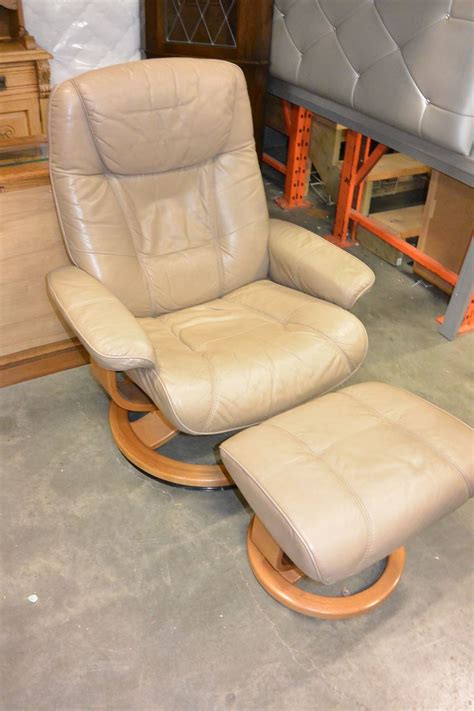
(416, 51)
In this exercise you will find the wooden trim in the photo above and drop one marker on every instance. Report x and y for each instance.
(278, 583)
(134, 442)
(24, 175)
(22, 143)
(125, 394)
(272, 552)
(138, 440)
(43, 360)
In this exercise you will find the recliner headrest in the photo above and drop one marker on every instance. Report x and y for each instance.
(149, 116)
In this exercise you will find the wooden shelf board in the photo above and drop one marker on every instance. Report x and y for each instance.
(12, 51)
(405, 221)
(396, 165)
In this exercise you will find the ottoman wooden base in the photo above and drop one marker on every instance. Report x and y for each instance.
(277, 575)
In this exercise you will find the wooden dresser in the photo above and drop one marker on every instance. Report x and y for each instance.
(24, 80)
(235, 30)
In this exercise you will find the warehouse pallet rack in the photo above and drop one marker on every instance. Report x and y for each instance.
(360, 157)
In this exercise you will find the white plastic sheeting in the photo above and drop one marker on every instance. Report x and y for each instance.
(84, 34)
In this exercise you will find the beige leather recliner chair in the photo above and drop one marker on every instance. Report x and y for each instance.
(220, 316)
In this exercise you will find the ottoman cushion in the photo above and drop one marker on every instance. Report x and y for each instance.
(344, 480)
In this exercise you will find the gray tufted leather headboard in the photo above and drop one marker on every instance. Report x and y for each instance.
(406, 63)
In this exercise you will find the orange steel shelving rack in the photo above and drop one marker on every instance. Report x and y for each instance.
(359, 158)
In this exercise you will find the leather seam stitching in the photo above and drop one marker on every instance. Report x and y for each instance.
(177, 251)
(361, 291)
(240, 227)
(114, 184)
(369, 528)
(282, 513)
(99, 300)
(324, 335)
(215, 231)
(211, 340)
(141, 359)
(212, 374)
(413, 435)
(227, 338)
(214, 399)
(272, 319)
(87, 118)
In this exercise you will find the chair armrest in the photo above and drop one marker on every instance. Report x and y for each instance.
(304, 261)
(111, 334)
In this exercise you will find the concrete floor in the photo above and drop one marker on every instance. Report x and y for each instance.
(145, 599)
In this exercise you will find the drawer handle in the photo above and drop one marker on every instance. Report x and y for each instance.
(3, 83)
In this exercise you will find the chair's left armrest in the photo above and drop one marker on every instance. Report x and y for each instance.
(302, 260)
(111, 334)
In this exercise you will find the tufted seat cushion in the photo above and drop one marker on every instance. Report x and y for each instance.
(344, 480)
(238, 360)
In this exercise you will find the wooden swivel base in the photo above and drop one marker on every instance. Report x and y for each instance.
(278, 575)
(139, 439)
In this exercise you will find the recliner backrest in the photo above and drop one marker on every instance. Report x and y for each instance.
(157, 183)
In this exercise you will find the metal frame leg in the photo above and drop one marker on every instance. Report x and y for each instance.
(459, 316)
(298, 129)
(298, 121)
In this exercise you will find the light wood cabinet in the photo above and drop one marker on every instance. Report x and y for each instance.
(30, 246)
(33, 338)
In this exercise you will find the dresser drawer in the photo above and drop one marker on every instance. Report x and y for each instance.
(19, 117)
(16, 79)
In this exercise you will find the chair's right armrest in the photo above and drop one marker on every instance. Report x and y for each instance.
(111, 334)
(305, 261)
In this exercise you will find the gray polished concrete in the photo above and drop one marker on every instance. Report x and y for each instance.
(145, 599)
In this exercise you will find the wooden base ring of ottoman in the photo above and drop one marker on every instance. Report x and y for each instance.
(341, 483)
(279, 579)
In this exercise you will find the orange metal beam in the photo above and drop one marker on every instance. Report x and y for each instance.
(347, 186)
(417, 255)
(359, 190)
(357, 164)
(274, 163)
(371, 160)
(298, 151)
(298, 127)
(286, 111)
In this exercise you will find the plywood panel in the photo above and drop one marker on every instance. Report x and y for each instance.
(30, 246)
(448, 222)
(396, 165)
(405, 222)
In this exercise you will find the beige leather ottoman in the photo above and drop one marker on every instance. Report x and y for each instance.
(342, 482)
